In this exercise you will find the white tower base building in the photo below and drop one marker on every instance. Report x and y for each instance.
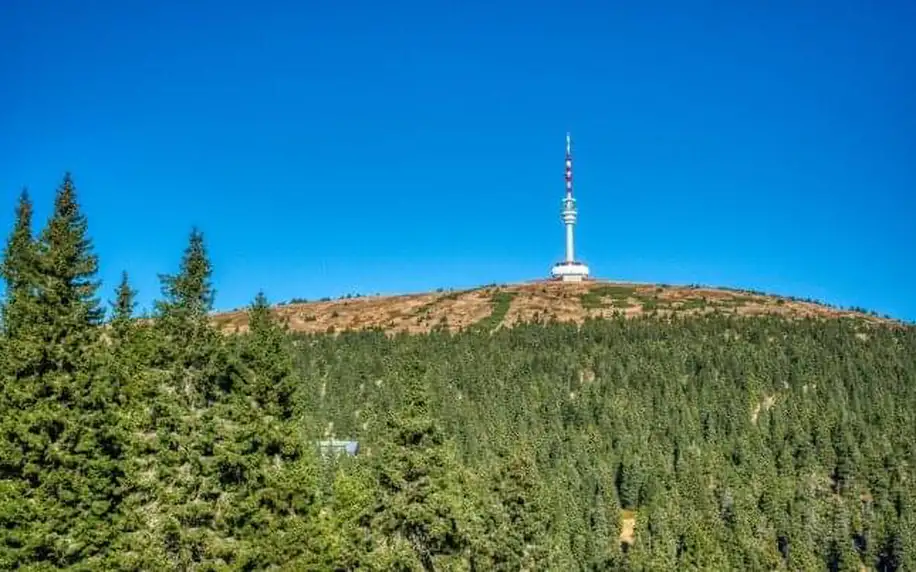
(569, 270)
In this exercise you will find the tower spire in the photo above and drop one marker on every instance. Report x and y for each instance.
(569, 188)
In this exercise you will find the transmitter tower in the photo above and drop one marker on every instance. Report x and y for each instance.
(569, 270)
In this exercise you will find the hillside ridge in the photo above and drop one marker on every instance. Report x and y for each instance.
(494, 306)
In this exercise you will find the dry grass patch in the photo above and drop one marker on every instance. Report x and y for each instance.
(461, 311)
(562, 301)
(557, 300)
(627, 527)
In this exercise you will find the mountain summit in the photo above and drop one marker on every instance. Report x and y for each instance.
(495, 306)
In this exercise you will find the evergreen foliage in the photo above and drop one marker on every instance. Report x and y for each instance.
(266, 353)
(62, 448)
(123, 306)
(18, 269)
(19, 309)
(732, 443)
(420, 515)
(68, 266)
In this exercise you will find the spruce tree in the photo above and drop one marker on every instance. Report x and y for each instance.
(268, 360)
(124, 303)
(189, 294)
(188, 343)
(62, 444)
(122, 310)
(516, 525)
(20, 347)
(68, 262)
(20, 308)
(420, 520)
(18, 268)
(192, 455)
(131, 343)
(70, 310)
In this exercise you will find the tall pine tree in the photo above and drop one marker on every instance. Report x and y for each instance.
(18, 265)
(189, 345)
(124, 303)
(70, 310)
(268, 361)
(175, 510)
(421, 519)
(189, 294)
(61, 450)
(19, 270)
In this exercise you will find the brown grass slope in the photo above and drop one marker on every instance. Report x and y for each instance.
(501, 306)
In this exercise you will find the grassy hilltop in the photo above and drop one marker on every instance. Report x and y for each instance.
(541, 301)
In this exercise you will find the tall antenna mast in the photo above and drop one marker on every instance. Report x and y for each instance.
(569, 187)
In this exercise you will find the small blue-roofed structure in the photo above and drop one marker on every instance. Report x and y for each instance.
(338, 446)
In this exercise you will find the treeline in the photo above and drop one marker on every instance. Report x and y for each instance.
(160, 444)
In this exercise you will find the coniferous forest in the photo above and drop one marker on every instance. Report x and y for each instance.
(699, 443)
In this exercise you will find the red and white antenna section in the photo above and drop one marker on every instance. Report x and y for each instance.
(569, 270)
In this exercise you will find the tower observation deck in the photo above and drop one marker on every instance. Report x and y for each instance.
(569, 270)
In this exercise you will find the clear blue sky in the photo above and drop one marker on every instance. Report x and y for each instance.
(364, 146)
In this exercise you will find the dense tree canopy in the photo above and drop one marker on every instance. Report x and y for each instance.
(715, 442)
